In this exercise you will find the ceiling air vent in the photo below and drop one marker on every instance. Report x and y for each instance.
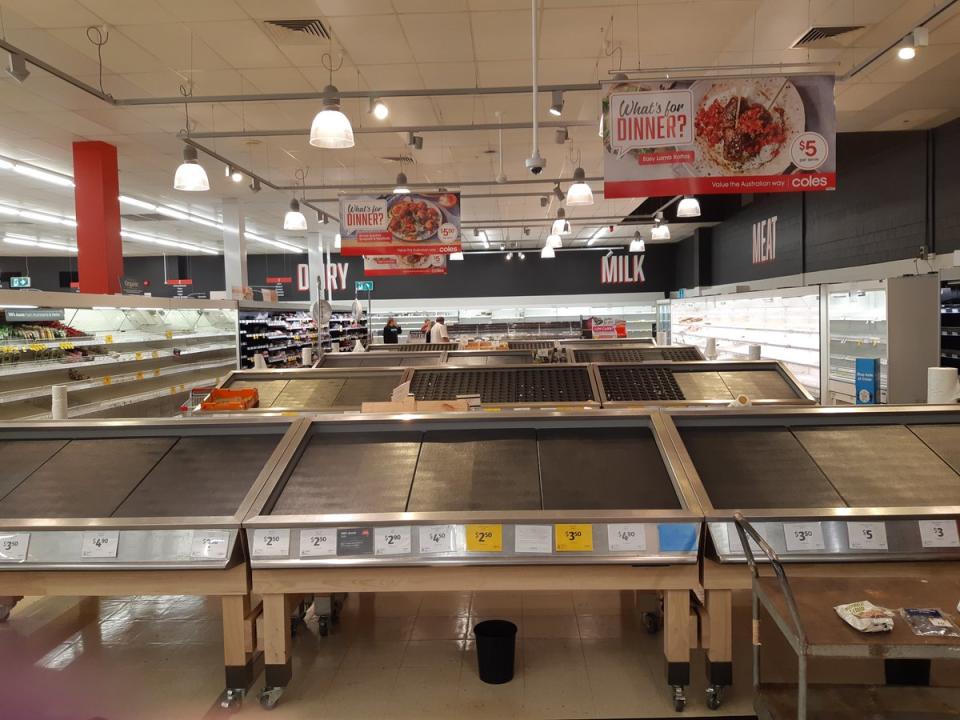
(397, 158)
(824, 36)
(296, 32)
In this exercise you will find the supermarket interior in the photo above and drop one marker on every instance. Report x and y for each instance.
(534, 359)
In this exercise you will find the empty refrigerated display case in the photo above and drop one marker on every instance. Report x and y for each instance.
(510, 386)
(484, 358)
(854, 492)
(470, 501)
(137, 508)
(377, 358)
(641, 354)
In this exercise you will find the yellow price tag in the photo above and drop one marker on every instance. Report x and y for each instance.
(139, 376)
(108, 339)
(156, 373)
(155, 354)
(573, 538)
(106, 379)
(138, 356)
(484, 538)
(169, 334)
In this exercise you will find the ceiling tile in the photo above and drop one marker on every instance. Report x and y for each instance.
(194, 11)
(439, 38)
(335, 8)
(125, 12)
(503, 35)
(241, 42)
(175, 45)
(448, 74)
(355, 33)
(48, 14)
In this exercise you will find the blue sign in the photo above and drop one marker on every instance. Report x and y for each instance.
(363, 286)
(19, 281)
(867, 381)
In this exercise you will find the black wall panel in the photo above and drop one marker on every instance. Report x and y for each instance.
(946, 187)
(878, 211)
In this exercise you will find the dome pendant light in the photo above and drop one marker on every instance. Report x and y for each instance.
(331, 129)
(547, 253)
(294, 219)
(660, 230)
(579, 193)
(637, 244)
(401, 188)
(688, 207)
(560, 225)
(190, 176)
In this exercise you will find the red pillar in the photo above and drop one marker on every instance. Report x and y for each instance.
(99, 252)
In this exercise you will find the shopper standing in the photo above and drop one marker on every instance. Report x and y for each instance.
(438, 333)
(391, 332)
(425, 329)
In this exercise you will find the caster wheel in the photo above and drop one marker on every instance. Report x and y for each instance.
(269, 697)
(231, 699)
(714, 697)
(651, 622)
(679, 699)
(294, 625)
(323, 627)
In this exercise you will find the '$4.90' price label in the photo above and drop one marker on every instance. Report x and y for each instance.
(484, 538)
(100, 544)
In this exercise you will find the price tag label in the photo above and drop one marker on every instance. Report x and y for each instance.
(391, 540)
(154, 354)
(939, 533)
(315, 543)
(573, 538)
(106, 379)
(13, 547)
(108, 339)
(867, 535)
(100, 544)
(803, 536)
(533, 539)
(138, 356)
(271, 543)
(436, 538)
(169, 334)
(209, 544)
(140, 375)
(484, 538)
(623, 537)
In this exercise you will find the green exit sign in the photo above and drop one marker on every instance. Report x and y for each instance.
(363, 285)
(22, 281)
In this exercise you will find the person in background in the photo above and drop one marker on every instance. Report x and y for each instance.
(425, 329)
(391, 332)
(438, 333)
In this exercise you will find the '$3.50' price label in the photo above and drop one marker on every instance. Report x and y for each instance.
(484, 538)
(573, 538)
(13, 547)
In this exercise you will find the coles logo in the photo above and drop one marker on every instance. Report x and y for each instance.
(804, 182)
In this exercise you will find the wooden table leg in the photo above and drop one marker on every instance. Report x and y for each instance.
(237, 656)
(676, 641)
(276, 641)
(719, 605)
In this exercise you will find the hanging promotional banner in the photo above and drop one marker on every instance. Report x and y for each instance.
(406, 224)
(374, 265)
(714, 136)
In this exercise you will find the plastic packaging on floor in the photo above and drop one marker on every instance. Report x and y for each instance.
(930, 622)
(866, 617)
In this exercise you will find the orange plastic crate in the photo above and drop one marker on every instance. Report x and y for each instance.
(224, 399)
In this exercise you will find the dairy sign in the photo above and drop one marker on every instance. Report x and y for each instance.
(715, 136)
(400, 224)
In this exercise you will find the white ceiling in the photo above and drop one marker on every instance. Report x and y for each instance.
(155, 46)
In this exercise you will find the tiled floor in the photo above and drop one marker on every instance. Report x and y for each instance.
(579, 655)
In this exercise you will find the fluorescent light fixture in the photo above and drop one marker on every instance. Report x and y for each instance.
(294, 219)
(170, 212)
(579, 193)
(190, 176)
(5, 164)
(379, 109)
(331, 129)
(688, 207)
(127, 200)
(272, 242)
(39, 243)
(48, 218)
(554, 241)
(637, 244)
(166, 242)
(40, 174)
(401, 188)
(547, 253)
(456, 256)
(556, 104)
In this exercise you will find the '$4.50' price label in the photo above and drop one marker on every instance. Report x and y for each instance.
(484, 538)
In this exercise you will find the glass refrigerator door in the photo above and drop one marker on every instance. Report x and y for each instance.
(857, 329)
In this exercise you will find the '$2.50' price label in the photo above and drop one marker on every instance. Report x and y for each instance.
(271, 543)
(484, 538)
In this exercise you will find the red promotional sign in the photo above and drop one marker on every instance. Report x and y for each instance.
(179, 282)
(400, 224)
(379, 265)
(280, 280)
(716, 136)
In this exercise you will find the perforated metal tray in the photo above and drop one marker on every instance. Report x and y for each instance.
(486, 358)
(512, 385)
(416, 347)
(680, 353)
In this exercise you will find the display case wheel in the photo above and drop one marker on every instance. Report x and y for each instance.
(323, 625)
(714, 697)
(269, 697)
(232, 699)
(651, 622)
(679, 698)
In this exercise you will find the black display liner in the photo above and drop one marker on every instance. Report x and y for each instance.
(507, 385)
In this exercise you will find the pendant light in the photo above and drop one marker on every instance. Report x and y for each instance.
(331, 129)
(547, 253)
(579, 193)
(401, 188)
(190, 176)
(294, 219)
(637, 244)
(336, 241)
(456, 256)
(688, 207)
(660, 230)
(560, 225)
(554, 241)
(379, 109)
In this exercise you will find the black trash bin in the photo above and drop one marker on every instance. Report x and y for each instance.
(496, 640)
